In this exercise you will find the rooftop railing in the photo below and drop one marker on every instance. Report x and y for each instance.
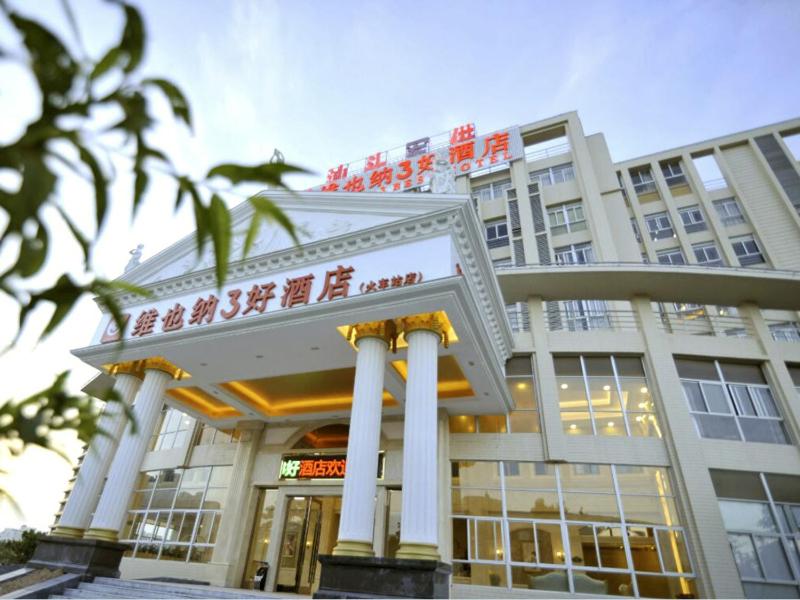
(531, 156)
(715, 184)
(649, 267)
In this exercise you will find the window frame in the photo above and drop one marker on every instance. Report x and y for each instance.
(579, 254)
(750, 257)
(566, 218)
(703, 248)
(729, 217)
(659, 226)
(692, 218)
(669, 253)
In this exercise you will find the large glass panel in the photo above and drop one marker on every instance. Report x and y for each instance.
(651, 510)
(633, 479)
(747, 516)
(660, 586)
(594, 582)
(521, 389)
(529, 475)
(636, 395)
(674, 555)
(492, 423)
(476, 473)
(745, 554)
(694, 395)
(162, 499)
(603, 391)
(737, 484)
(487, 540)
(742, 373)
(577, 423)
(572, 394)
(586, 478)
(174, 552)
(769, 431)
(479, 502)
(769, 590)
(590, 507)
(643, 549)
(715, 398)
(717, 427)
(538, 578)
(696, 369)
(770, 550)
(609, 423)
(541, 505)
(262, 531)
(392, 535)
(462, 424)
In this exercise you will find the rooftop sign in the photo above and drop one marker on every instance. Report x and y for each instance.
(413, 165)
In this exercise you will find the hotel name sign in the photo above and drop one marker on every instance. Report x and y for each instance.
(372, 272)
(413, 165)
(330, 466)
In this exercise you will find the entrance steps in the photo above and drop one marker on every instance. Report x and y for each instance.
(107, 587)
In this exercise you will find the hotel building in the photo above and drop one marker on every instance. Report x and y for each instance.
(570, 376)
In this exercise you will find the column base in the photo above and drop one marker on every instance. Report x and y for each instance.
(411, 551)
(87, 557)
(372, 577)
(105, 535)
(353, 548)
(69, 532)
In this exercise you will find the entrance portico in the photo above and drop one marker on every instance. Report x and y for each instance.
(399, 317)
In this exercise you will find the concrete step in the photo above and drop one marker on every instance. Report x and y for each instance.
(130, 588)
(122, 591)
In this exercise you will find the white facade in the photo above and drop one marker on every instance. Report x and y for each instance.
(594, 385)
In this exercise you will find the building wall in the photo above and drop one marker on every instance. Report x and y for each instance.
(611, 197)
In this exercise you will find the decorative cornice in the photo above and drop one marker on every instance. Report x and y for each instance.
(138, 368)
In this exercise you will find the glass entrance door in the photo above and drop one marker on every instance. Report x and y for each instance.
(310, 528)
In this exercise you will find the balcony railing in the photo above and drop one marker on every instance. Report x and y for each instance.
(699, 322)
(608, 320)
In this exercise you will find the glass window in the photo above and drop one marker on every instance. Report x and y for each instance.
(491, 191)
(174, 431)
(659, 226)
(729, 211)
(671, 256)
(643, 181)
(553, 175)
(692, 218)
(496, 233)
(673, 173)
(706, 253)
(731, 401)
(174, 515)
(747, 250)
(525, 543)
(574, 254)
(566, 218)
(605, 395)
(765, 548)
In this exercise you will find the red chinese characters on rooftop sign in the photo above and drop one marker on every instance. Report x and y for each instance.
(461, 147)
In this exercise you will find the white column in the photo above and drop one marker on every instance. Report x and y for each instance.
(83, 497)
(109, 517)
(419, 518)
(360, 485)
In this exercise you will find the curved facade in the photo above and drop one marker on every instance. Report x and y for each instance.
(572, 376)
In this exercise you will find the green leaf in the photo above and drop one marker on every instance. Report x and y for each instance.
(272, 212)
(51, 62)
(32, 253)
(132, 38)
(139, 186)
(252, 232)
(79, 237)
(38, 184)
(269, 173)
(100, 184)
(64, 294)
(110, 60)
(178, 102)
(219, 225)
(201, 218)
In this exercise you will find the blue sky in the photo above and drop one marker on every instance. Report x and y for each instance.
(330, 82)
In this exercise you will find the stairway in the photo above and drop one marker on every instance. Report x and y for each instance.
(106, 587)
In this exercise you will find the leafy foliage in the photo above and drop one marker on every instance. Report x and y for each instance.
(72, 89)
(18, 552)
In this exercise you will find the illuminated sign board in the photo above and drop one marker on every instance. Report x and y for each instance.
(413, 165)
(329, 466)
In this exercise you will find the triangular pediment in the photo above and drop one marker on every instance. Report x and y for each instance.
(317, 216)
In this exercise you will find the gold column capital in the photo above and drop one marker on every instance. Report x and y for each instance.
(138, 367)
(426, 322)
(386, 330)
